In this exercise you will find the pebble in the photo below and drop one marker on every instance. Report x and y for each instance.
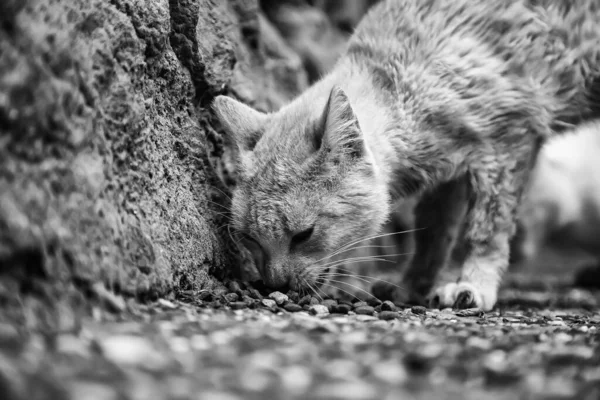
(342, 309)
(292, 307)
(305, 300)
(359, 304)
(364, 310)
(329, 303)
(255, 294)
(313, 301)
(132, 350)
(388, 315)
(279, 297)
(220, 291)
(234, 287)
(293, 296)
(268, 303)
(318, 309)
(373, 301)
(238, 305)
(418, 310)
(231, 297)
(388, 306)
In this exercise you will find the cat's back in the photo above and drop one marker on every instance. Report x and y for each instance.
(553, 46)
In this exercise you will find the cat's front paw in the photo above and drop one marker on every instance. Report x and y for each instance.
(463, 295)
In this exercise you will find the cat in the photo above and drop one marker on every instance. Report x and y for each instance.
(446, 100)
(563, 199)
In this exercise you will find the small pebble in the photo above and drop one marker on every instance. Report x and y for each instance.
(220, 291)
(238, 305)
(388, 306)
(255, 294)
(388, 315)
(373, 301)
(292, 307)
(313, 301)
(231, 297)
(329, 303)
(318, 309)
(304, 300)
(377, 308)
(279, 297)
(364, 310)
(418, 310)
(342, 309)
(293, 296)
(234, 287)
(268, 303)
(359, 304)
(164, 303)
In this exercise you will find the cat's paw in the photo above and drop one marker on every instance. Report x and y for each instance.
(463, 295)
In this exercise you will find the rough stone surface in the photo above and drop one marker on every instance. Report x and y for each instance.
(109, 156)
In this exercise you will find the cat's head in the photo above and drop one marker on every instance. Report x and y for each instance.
(307, 187)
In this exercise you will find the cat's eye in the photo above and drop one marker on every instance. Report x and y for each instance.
(302, 237)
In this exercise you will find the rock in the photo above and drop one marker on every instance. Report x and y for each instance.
(304, 300)
(329, 303)
(318, 309)
(364, 310)
(238, 305)
(419, 310)
(388, 315)
(231, 297)
(359, 304)
(234, 287)
(269, 303)
(133, 351)
(279, 297)
(342, 309)
(388, 306)
(313, 301)
(373, 301)
(255, 294)
(293, 296)
(292, 307)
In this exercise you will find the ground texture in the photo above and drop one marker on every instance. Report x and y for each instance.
(542, 343)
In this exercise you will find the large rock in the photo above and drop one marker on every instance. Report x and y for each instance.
(108, 148)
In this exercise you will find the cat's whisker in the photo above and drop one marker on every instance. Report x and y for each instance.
(217, 204)
(312, 288)
(222, 192)
(323, 283)
(357, 259)
(347, 259)
(352, 286)
(348, 245)
(400, 286)
(364, 278)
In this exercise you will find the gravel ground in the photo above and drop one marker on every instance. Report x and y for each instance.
(541, 344)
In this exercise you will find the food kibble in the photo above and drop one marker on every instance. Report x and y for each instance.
(364, 310)
(292, 307)
(418, 310)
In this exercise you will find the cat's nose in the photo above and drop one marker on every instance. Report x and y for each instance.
(276, 280)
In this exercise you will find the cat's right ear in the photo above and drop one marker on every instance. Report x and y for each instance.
(243, 124)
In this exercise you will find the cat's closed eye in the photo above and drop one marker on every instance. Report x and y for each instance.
(302, 237)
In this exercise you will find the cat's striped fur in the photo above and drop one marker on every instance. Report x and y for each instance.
(445, 99)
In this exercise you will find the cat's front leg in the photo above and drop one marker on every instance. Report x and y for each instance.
(490, 225)
(480, 278)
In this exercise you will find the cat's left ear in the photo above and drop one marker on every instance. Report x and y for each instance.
(241, 122)
(341, 132)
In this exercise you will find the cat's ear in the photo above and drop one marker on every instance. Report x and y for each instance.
(243, 124)
(341, 131)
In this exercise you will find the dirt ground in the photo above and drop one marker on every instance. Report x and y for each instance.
(542, 342)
